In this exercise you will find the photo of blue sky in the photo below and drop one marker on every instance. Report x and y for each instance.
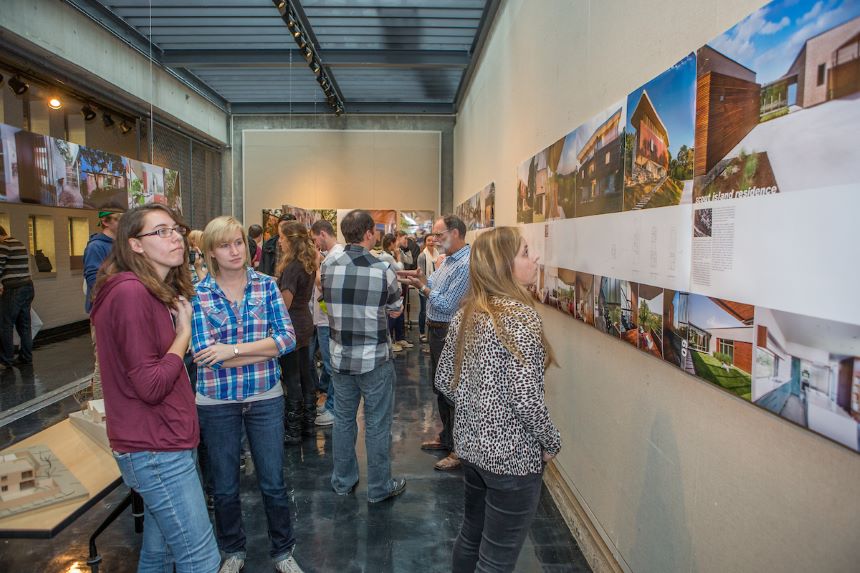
(704, 313)
(673, 94)
(768, 40)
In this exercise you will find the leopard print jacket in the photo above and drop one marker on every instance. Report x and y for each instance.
(501, 422)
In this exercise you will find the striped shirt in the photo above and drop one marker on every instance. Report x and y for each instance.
(14, 262)
(448, 285)
(261, 314)
(359, 290)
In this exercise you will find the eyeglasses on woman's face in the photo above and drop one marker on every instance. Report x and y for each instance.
(165, 232)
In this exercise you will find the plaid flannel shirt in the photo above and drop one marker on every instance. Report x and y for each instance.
(359, 290)
(261, 314)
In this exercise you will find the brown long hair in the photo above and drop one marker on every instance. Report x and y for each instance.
(123, 259)
(491, 276)
(299, 245)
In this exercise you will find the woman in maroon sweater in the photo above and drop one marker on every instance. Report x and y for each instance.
(142, 317)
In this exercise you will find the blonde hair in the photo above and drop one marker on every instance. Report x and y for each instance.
(218, 231)
(299, 245)
(491, 276)
(195, 238)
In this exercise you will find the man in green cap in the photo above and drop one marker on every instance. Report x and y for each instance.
(97, 250)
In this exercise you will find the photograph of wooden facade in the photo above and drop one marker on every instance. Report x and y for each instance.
(599, 179)
(727, 107)
(651, 152)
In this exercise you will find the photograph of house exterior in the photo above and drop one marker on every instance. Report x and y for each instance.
(584, 298)
(526, 173)
(35, 177)
(103, 179)
(418, 223)
(488, 206)
(559, 289)
(560, 188)
(710, 338)
(650, 319)
(778, 102)
(8, 164)
(628, 325)
(659, 139)
(65, 172)
(599, 184)
(807, 370)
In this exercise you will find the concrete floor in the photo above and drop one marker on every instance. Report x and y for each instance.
(412, 533)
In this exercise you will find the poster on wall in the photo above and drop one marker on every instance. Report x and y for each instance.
(807, 371)
(418, 223)
(479, 210)
(103, 179)
(173, 189)
(385, 221)
(776, 163)
(310, 216)
(270, 223)
(9, 164)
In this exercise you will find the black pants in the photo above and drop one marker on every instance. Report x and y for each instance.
(296, 376)
(15, 315)
(436, 338)
(499, 510)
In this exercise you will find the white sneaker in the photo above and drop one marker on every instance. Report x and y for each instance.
(405, 343)
(325, 418)
(288, 565)
(234, 564)
(396, 347)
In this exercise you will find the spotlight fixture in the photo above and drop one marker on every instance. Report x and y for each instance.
(55, 103)
(88, 112)
(107, 120)
(316, 68)
(19, 86)
(282, 6)
(301, 43)
(125, 126)
(308, 53)
(338, 111)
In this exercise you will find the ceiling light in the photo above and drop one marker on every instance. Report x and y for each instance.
(55, 103)
(282, 6)
(19, 86)
(88, 112)
(107, 120)
(300, 41)
(316, 68)
(308, 53)
(125, 126)
(338, 111)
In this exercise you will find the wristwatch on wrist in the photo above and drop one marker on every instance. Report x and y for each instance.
(235, 350)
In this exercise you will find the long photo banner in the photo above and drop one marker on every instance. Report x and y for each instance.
(709, 217)
(42, 170)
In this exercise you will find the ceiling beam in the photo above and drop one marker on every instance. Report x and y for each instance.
(274, 108)
(484, 28)
(333, 58)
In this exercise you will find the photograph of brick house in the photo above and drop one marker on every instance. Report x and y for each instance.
(710, 338)
(599, 177)
(807, 370)
(526, 173)
(778, 102)
(659, 139)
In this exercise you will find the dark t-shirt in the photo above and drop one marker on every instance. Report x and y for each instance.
(295, 279)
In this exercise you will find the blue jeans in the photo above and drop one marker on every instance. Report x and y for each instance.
(499, 510)
(221, 428)
(321, 341)
(377, 388)
(15, 315)
(176, 524)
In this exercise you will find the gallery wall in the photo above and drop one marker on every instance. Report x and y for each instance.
(675, 474)
(322, 169)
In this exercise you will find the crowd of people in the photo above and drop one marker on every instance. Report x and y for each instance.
(234, 339)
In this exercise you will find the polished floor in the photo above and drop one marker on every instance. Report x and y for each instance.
(412, 533)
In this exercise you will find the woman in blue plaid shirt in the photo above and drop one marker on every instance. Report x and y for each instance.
(240, 328)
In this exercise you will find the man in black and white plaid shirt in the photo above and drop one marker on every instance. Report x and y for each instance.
(360, 292)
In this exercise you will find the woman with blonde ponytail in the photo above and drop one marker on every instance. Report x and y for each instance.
(492, 368)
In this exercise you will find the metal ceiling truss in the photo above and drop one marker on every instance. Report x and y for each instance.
(300, 29)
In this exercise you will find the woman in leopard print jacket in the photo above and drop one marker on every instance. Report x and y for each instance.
(492, 368)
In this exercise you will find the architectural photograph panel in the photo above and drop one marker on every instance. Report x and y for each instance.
(559, 289)
(562, 182)
(628, 325)
(8, 164)
(607, 311)
(659, 139)
(584, 297)
(418, 223)
(778, 103)
(526, 175)
(488, 206)
(807, 370)
(650, 320)
(103, 179)
(594, 152)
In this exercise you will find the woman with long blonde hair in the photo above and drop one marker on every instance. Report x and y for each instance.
(492, 368)
(296, 272)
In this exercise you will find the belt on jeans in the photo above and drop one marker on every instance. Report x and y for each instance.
(435, 324)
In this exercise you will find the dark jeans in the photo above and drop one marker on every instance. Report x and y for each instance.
(436, 339)
(221, 428)
(499, 510)
(321, 341)
(395, 327)
(296, 376)
(422, 314)
(15, 315)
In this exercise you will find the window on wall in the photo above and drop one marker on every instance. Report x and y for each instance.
(79, 233)
(822, 68)
(727, 347)
(40, 229)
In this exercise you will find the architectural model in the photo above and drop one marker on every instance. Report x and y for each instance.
(34, 478)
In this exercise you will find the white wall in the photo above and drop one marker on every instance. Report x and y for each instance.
(338, 169)
(676, 474)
